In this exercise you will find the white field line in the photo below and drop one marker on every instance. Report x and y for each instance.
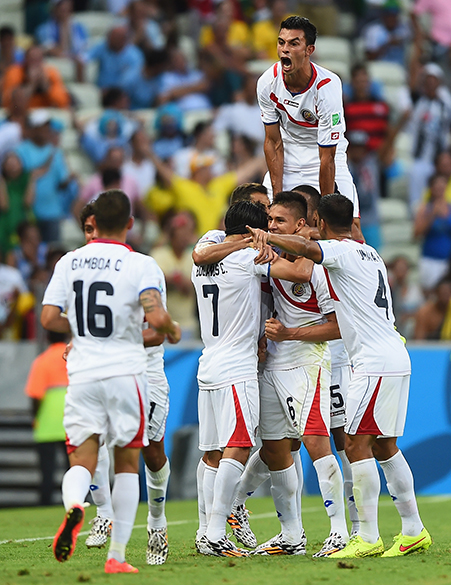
(428, 500)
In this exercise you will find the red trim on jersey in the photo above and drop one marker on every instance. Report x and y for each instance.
(368, 426)
(266, 287)
(315, 424)
(275, 69)
(311, 305)
(309, 85)
(280, 106)
(137, 442)
(240, 437)
(323, 82)
(106, 241)
(332, 293)
(69, 448)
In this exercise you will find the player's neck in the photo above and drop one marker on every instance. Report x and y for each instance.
(233, 238)
(299, 80)
(116, 237)
(339, 236)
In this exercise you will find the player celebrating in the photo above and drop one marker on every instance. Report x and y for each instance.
(302, 109)
(378, 392)
(105, 286)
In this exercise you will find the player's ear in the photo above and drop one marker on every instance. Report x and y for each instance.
(131, 222)
(310, 50)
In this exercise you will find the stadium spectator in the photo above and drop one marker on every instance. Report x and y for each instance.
(185, 86)
(13, 126)
(266, 31)
(387, 38)
(243, 115)
(139, 165)
(46, 386)
(406, 295)
(38, 151)
(144, 32)
(29, 255)
(242, 149)
(43, 83)
(10, 53)
(439, 32)
(15, 302)
(61, 36)
(169, 138)
(431, 316)
(116, 58)
(442, 167)
(203, 144)
(223, 80)
(433, 227)
(174, 259)
(142, 86)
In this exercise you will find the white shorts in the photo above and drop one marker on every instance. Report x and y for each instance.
(339, 383)
(158, 398)
(294, 403)
(377, 405)
(228, 417)
(115, 408)
(310, 177)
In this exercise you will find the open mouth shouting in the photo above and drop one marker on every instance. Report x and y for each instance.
(287, 64)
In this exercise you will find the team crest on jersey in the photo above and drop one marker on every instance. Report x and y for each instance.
(301, 291)
(308, 116)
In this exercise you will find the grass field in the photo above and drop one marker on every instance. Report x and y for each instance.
(26, 555)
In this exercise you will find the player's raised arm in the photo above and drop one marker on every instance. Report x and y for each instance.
(275, 331)
(296, 245)
(210, 253)
(53, 319)
(157, 316)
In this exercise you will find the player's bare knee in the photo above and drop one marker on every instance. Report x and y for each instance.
(317, 446)
(339, 438)
(126, 460)
(384, 449)
(154, 455)
(240, 454)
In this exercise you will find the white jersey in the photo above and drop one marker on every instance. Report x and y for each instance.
(155, 354)
(358, 283)
(311, 118)
(299, 305)
(99, 286)
(338, 354)
(228, 297)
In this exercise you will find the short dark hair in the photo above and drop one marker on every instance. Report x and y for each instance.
(110, 176)
(301, 23)
(155, 57)
(112, 96)
(86, 212)
(243, 192)
(200, 127)
(6, 31)
(245, 213)
(293, 201)
(357, 67)
(112, 211)
(314, 194)
(337, 211)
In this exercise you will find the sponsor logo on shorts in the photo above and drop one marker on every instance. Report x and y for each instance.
(308, 116)
(290, 103)
(336, 119)
(335, 135)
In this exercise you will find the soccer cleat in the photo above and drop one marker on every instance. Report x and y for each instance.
(114, 566)
(100, 531)
(357, 548)
(239, 523)
(222, 548)
(278, 546)
(66, 537)
(404, 545)
(333, 543)
(157, 546)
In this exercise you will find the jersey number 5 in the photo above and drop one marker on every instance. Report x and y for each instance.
(381, 294)
(93, 309)
(213, 289)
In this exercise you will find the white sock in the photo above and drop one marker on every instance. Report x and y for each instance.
(75, 486)
(209, 489)
(226, 485)
(157, 485)
(100, 486)
(284, 484)
(255, 473)
(366, 488)
(331, 487)
(347, 484)
(200, 498)
(400, 486)
(298, 464)
(125, 498)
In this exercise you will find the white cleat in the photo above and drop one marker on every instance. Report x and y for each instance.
(222, 548)
(239, 523)
(157, 546)
(333, 543)
(279, 546)
(100, 531)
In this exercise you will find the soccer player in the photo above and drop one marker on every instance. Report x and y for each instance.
(378, 391)
(302, 109)
(157, 464)
(105, 286)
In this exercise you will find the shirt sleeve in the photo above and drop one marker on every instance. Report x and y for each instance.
(332, 251)
(319, 283)
(268, 110)
(150, 276)
(212, 237)
(330, 111)
(56, 293)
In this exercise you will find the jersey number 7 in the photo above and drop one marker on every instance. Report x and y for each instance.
(213, 289)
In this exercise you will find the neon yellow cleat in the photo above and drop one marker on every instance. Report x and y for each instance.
(358, 548)
(405, 545)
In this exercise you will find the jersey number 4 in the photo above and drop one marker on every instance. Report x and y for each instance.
(213, 289)
(381, 294)
(93, 309)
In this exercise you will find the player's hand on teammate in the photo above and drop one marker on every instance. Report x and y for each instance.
(266, 255)
(67, 350)
(275, 331)
(152, 338)
(261, 350)
(176, 333)
(259, 237)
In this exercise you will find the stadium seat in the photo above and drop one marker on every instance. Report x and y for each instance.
(85, 114)
(393, 210)
(80, 164)
(332, 49)
(14, 18)
(147, 117)
(65, 66)
(338, 67)
(71, 234)
(191, 118)
(399, 232)
(69, 140)
(86, 95)
(403, 146)
(259, 66)
(410, 251)
(387, 73)
(62, 115)
(91, 69)
(398, 188)
(96, 23)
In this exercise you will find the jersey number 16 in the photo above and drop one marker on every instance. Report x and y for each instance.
(93, 309)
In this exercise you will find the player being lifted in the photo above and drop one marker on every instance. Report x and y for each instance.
(105, 286)
(378, 391)
(157, 465)
(302, 108)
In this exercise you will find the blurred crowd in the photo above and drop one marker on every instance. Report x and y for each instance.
(162, 104)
